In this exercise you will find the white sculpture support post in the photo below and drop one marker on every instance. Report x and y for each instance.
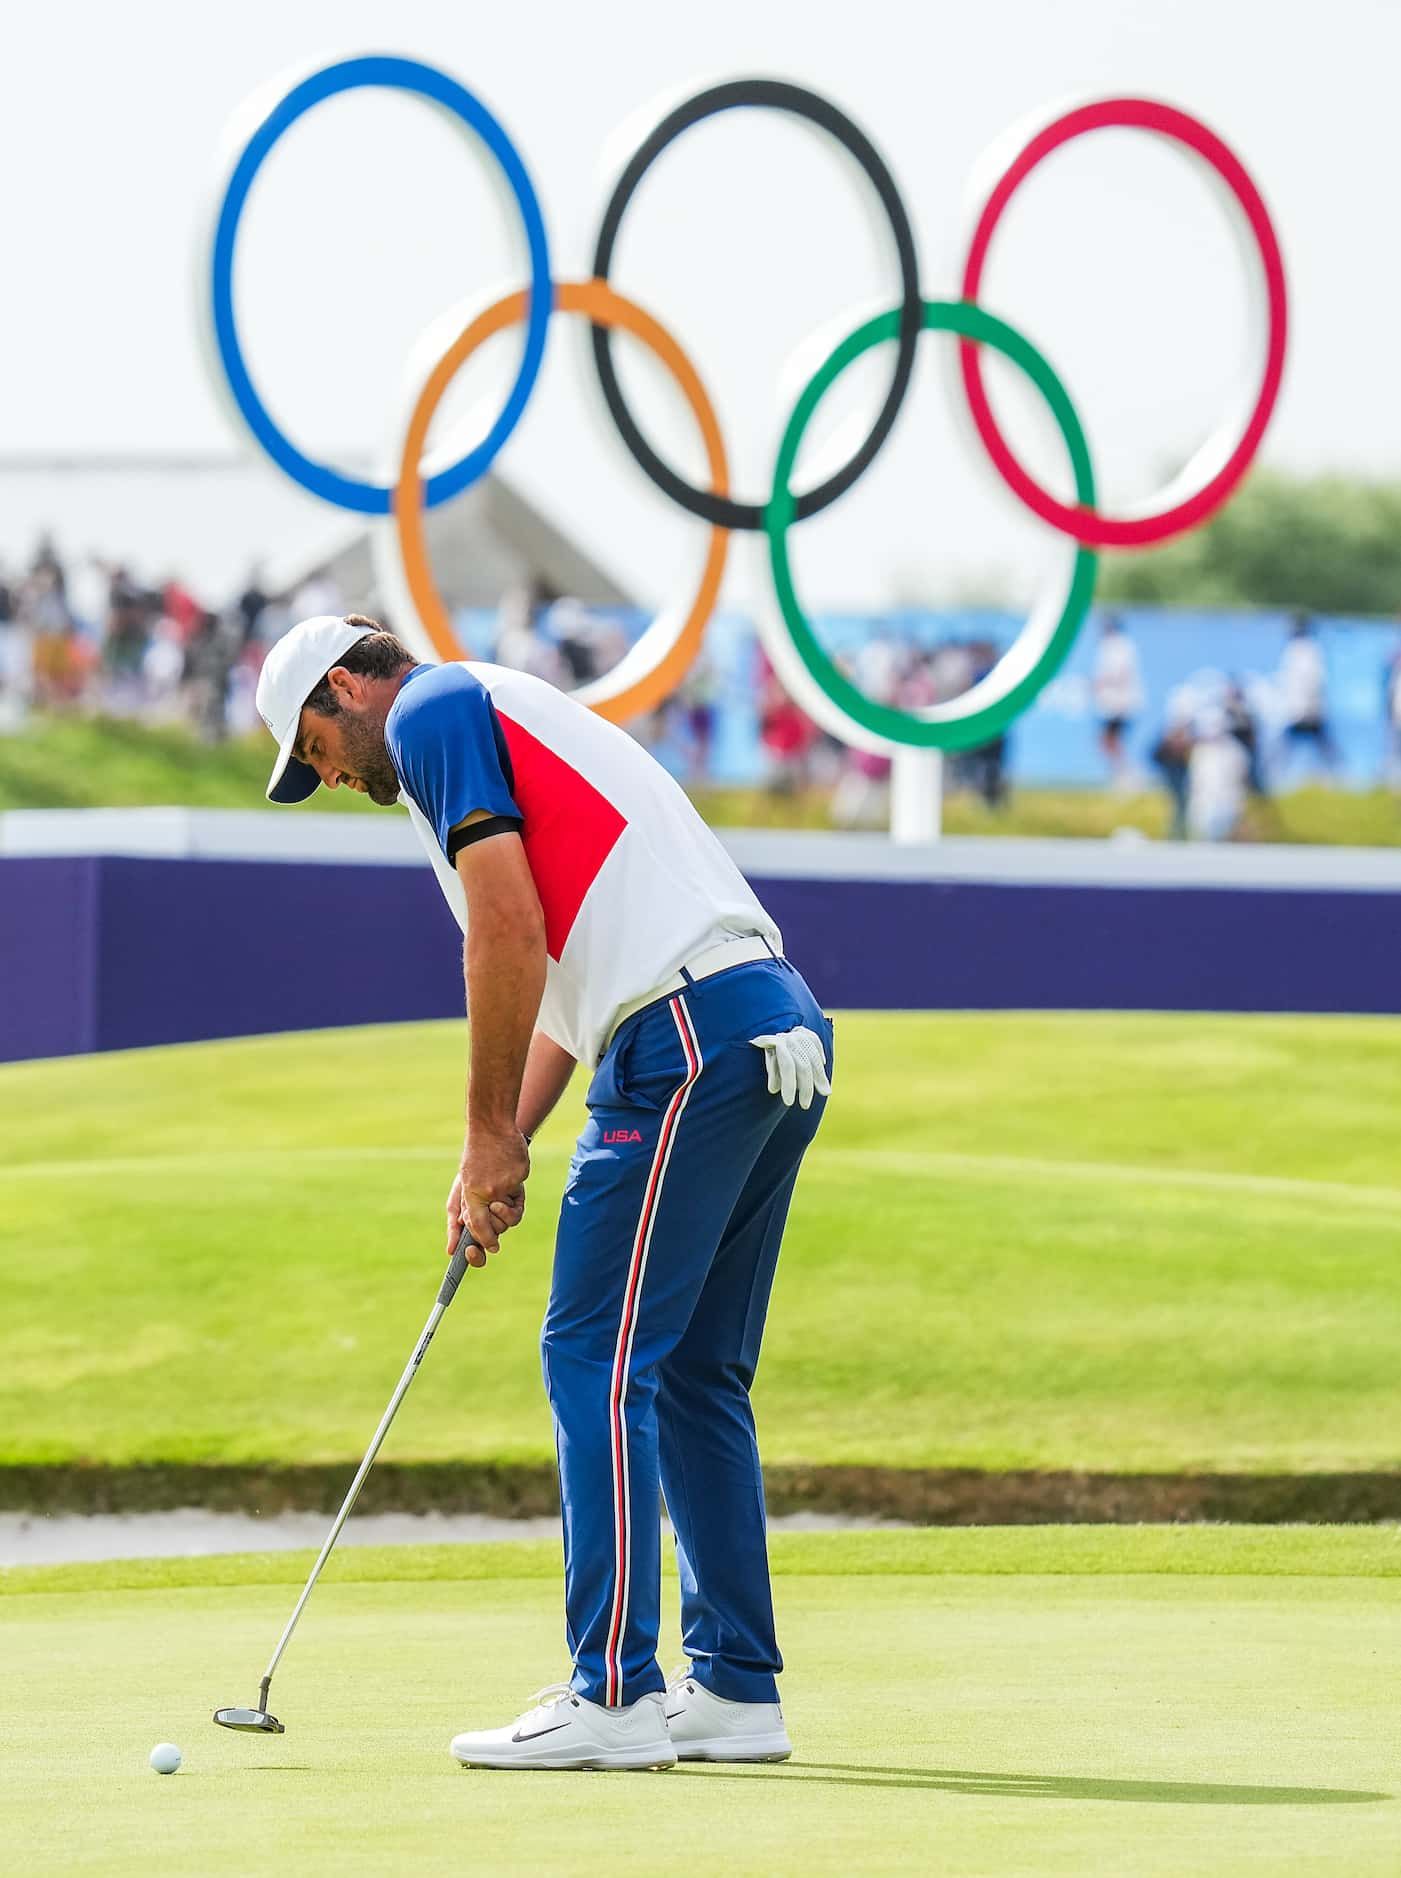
(916, 797)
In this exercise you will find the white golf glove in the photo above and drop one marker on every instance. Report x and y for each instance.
(797, 1065)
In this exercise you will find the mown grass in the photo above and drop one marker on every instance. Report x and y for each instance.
(1025, 1705)
(1108, 1242)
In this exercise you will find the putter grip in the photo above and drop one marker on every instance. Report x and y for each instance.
(457, 1269)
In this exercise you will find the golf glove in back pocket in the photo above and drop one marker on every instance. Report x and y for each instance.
(797, 1065)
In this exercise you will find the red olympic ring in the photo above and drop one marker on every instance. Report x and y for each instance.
(1088, 525)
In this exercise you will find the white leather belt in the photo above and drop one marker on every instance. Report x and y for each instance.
(717, 958)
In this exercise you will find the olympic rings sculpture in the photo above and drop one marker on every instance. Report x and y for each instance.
(654, 667)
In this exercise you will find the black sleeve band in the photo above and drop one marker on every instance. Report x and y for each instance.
(461, 838)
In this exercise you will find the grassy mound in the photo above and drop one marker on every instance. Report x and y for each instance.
(1111, 1242)
(75, 762)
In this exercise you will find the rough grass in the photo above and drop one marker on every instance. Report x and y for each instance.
(70, 762)
(1043, 1704)
(1365, 818)
(1096, 1242)
(79, 762)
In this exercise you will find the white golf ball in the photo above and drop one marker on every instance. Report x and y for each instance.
(165, 1757)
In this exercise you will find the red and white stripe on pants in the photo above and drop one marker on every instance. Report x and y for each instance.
(622, 1355)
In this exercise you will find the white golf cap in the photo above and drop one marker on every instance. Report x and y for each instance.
(291, 672)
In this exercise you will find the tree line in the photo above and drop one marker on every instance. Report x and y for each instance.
(1319, 544)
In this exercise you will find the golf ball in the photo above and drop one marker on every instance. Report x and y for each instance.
(165, 1757)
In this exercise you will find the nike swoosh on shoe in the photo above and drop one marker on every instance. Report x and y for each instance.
(540, 1733)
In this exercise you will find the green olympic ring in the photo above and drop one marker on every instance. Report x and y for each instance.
(983, 712)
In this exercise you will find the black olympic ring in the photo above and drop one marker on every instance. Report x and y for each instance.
(772, 94)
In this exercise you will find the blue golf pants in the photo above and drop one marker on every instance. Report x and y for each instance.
(668, 1237)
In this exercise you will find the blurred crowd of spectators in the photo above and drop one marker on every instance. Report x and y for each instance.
(891, 672)
(88, 635)
(1213, 751)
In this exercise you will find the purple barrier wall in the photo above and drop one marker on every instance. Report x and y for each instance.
(191, 949)
(48, 935)
(108, 953)
(977, 945)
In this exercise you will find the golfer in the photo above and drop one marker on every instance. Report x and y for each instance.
(605, 925)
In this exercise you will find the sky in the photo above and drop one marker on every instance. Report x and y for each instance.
(751, 239)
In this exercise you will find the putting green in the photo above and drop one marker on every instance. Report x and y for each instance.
(1108, 1242)
(1131, 1703)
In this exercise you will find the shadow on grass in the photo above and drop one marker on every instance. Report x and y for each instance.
(1044, 1786)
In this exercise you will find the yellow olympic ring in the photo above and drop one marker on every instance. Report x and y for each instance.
(667, 650)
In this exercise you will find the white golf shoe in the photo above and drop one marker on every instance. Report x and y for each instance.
(563, 1731)
(705, 1727)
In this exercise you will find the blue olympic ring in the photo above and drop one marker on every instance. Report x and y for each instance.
(394, 74)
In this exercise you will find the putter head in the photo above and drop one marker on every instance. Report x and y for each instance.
(249, 1721)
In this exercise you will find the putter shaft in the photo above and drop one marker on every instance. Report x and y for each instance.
(448, 1290)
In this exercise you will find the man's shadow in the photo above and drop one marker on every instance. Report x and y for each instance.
(1041, 1786)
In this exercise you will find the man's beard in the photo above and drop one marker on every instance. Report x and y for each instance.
(367, 753)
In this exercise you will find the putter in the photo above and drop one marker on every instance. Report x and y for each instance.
(258, 1720)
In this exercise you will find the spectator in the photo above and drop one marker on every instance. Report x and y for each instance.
(55, 656)
(1303, 687)
(985, 765)
(1117, 687)
(209, 661)
(787, 734)
(609, 641)
(1171, 754)
(86, 592)
(162, 673)
(1240, 720)
(519, 641)
(950, 670)
(576, 642)
(47, 567)
(1216, 779)
(700, 701)
(179, 607)
(250, 606)
(878, 664)
(125, 641)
